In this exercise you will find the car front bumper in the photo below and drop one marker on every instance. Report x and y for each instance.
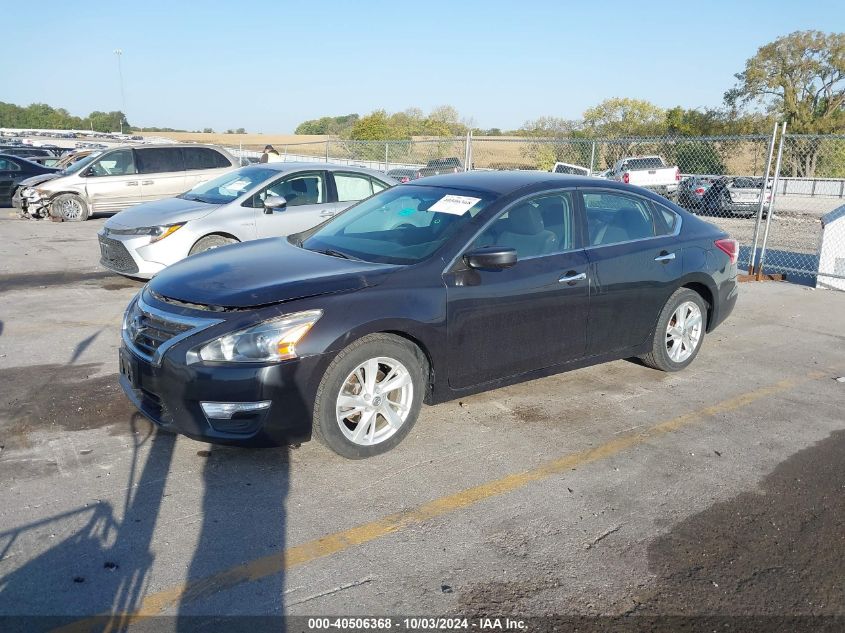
(135, 256)
(171, 394)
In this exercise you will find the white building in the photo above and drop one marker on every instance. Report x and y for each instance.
(832, 251)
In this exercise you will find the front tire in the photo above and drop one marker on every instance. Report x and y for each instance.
(70, 208)
(679, 333)
(370, 396)
(209, 242)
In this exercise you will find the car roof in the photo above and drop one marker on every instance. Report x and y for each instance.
(505, 182)
(298, 166)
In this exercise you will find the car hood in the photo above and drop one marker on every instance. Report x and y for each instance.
(159, 212)
(263, 272)
(37, 180)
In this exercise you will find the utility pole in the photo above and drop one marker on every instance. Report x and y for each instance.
(119, 53)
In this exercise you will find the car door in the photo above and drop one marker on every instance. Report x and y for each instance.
(506, 322)
(307, 205)
(635, 264)
(351, 187)
(111, 182)
(161, 171)
(9, 173)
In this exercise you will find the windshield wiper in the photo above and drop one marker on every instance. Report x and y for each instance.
(197, 199)
(334, 253)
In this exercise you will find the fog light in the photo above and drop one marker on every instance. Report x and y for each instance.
(225, 410)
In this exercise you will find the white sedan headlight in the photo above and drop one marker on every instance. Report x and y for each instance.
(266, 342)
(156, 233)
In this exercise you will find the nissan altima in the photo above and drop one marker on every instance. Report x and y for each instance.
(423, 293)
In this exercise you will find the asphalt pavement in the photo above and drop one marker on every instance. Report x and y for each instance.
(615, 490)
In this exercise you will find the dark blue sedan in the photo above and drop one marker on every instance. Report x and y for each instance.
(424, 292)
(14, 169)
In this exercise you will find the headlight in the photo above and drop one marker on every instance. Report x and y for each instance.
(268, 341)
(156, 233)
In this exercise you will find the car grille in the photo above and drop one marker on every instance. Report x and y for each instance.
(150, 331)
(113, 255)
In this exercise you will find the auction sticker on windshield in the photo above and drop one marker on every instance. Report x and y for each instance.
(238, 185)
(456, 205)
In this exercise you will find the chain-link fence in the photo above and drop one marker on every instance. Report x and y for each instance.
(735, 182)
(811, 184)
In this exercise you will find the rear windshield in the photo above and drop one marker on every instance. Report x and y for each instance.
(400, 225)
(650, 162)
(747, 183)
(445, 162)
(571, 169)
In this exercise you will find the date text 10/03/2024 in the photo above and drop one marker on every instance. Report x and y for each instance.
(416, 623)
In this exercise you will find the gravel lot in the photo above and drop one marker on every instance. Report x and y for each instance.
(615, 490)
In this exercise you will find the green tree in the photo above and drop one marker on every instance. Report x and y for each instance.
(620, 116)
(373, 127)
(799, 77)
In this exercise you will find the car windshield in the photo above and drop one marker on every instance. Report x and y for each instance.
(400, 225)
(81, 164)
(229, 186)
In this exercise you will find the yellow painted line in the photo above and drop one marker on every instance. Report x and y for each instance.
(259, 568)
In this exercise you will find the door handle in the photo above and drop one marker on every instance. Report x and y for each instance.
(665, 257)
(132, 183)
(326, 214)
(571, 278)
(146, 182)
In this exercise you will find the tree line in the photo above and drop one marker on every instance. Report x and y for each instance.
(799, 78)
(42, 116)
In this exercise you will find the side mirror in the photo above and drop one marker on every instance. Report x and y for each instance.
(491, 258)
(271, 203)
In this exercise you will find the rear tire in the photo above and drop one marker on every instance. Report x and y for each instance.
(69, 207)
(209, 242)
(680, 331)
(350, 395)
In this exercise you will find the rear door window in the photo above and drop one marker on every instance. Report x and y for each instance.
(613, 218)
(353, 187)
(203, 158)
(157, 160)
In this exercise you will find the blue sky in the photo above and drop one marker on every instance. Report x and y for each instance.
(267, 65)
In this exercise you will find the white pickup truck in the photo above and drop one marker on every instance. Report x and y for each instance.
(650, 172)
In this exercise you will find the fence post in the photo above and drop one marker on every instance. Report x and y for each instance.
(753, 259)
(327, 150)
(468, 150)
(772, 203)
(386, 152)
(592, 158)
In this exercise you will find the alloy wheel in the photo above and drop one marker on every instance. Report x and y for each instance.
(683, 332)
(374, 401)
(70, 209)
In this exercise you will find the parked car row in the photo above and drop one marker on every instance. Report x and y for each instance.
(724, 196)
